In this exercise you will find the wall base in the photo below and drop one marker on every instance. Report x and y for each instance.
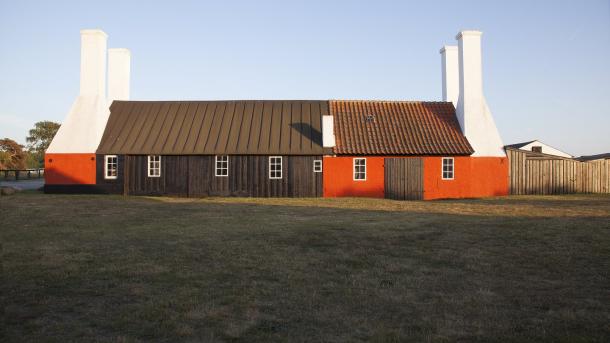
(74, 189)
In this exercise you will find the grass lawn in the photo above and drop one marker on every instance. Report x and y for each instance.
(109, 268)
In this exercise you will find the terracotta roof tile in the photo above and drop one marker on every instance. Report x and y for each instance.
(397, 128)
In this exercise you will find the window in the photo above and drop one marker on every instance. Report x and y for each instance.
(317, 166)
(537, 149)
(222, 165)
(359, 169)
(111, 164)
(154, 166)
(447, 168)
(275, 167)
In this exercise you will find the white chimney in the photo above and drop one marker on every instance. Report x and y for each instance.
(93, 63)
(451, 74)
(328, 131)
(472, 111)
(118, 74)
(82, 129)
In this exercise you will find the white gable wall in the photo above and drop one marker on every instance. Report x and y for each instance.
(82, 130)
(546, 149)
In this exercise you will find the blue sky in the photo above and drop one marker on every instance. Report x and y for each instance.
(546, 63)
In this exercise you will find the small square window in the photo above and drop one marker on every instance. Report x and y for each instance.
(275, 167)
(537, 149)
(111, 166)
(154, 166)
(447, 168)
(359, 169)
(222, 165)
(317, 166)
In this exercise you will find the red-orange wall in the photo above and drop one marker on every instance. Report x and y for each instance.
(69, 169)
(339, 178)
(474, 177)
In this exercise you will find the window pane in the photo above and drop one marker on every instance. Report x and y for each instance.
(275, 167)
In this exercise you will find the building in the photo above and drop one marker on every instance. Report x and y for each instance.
(539, 147)
(591, 158)
(394, 149)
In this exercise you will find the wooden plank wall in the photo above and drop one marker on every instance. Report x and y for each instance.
(404, 178)
(194, 176)
(108, 186)
(531, 173)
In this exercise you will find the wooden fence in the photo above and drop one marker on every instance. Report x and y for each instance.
(18, 174)
(536, 173)
(404, 178)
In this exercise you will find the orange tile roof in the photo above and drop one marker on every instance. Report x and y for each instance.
(397, 128)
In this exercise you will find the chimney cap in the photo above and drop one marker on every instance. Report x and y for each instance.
(93, 32)
(468, 33)
(448, 47)
(119, 50)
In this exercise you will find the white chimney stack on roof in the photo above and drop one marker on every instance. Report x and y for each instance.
(119, 60)
(93, 62)
(451, 73)
(83, 127)
(328, 131)
(472, 111)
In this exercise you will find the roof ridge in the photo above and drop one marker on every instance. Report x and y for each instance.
(391, 101)
(286, 100)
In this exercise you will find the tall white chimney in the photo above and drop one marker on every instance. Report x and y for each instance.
(118, 74)
(93, 63)
(451, 74)
(472, 111)
(82, 129)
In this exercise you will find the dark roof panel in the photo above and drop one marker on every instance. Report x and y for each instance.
(397, 128)
(519, 145)
(249, 127)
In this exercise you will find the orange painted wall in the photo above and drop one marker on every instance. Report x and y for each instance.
(69, 169)
(474, 177)
(339, 177)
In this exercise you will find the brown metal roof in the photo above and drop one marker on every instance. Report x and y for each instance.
(397, 128)
(214, 127)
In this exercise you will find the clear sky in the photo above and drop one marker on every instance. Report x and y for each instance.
(546, 64)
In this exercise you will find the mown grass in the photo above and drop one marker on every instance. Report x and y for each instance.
(109, 268)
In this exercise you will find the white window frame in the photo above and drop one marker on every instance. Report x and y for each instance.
(149, 168)
(106, 169)
(217, 168)
(452, 171)
(317, 166)
(271, 158)
(359, 172)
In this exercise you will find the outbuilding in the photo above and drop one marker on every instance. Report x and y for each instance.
(539, 147)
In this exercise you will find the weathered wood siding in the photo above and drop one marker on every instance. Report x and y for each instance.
(194, 176)
(109, 186)
(531, 173)
(404, 178)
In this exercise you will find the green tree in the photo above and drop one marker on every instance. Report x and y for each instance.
(39, 139)
(12, 155)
